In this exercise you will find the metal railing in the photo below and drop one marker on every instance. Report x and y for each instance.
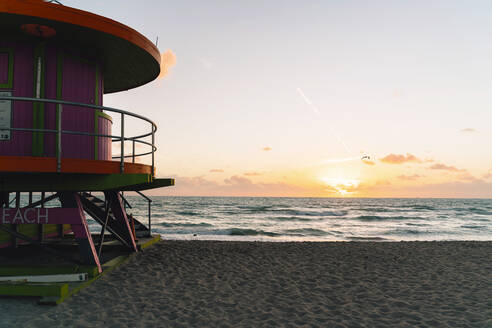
(114, 138)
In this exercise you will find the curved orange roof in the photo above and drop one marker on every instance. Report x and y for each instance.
(118, 44)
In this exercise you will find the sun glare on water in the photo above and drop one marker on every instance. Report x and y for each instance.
(341, 186)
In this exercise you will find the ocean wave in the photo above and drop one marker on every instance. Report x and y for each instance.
(417, 224)
(187, 213)
(479, 211)
(306, 232)
(378, 209)
(472, 226)
(361, 238)
(400, 232)
(370, 218)
(471, 210)
(310, 213)
(254, 209)
(423, 207)
(480, 219)
(414, 207)
(250, 232)
(170, 225)
(289, 218)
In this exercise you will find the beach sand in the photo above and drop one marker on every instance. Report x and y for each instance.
(259, 284)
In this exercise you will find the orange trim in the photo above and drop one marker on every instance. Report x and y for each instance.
(36, 8)
(29, 164)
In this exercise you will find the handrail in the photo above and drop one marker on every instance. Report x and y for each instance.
(149, 213)
(114, 138)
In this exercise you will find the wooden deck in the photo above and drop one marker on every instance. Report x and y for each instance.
(31, 260)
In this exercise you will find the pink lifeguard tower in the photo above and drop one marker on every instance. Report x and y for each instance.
(56, 137)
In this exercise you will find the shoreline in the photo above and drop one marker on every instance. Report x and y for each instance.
(267, 239)
(284, 284)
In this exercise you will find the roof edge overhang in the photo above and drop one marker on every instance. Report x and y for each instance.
(86, 21)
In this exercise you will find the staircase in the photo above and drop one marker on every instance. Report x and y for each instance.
(96, 208)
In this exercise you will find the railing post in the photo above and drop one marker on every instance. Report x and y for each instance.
(150, 215)
(122, 160)
(133, 151)
(153, 149)
(58, 137)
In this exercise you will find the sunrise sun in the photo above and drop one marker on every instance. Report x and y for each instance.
(341, 186)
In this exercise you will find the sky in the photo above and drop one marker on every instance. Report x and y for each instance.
(316, 98)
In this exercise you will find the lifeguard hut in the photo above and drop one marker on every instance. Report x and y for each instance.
(56, 137)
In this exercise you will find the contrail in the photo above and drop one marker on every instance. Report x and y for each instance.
(316, 110)
(308, 101)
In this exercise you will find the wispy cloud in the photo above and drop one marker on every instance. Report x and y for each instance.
(252, 174)
(266, 148)
(238, 180)
(216, 171)
(465, 176)
(468, 130)
(444, 167)
(234, 186)
(168, 60)
(368, 162)
(487, 175)
(410, 177)
(400, 159)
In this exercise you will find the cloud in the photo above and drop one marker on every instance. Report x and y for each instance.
(235, 186)
(168, 60)
(368, 162)
(266, 148)
(456, 189)
(487, 175)
(468, 130)
(237, 180)
(251, 174)
(410, 177)
(445, 167)
(216, 171)
(400, 159)
(467, 177)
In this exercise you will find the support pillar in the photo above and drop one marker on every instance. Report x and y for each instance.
(121, 225)
(81, 230)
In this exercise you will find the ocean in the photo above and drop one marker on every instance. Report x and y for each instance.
(315, 219)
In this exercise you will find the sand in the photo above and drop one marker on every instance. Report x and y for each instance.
(258, 284)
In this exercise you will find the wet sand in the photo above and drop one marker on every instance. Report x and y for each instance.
(259, 284)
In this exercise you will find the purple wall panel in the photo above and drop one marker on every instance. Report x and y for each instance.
(21, 142)
(50, 93)
(78, 84)
(104, 143)
(4, 67)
